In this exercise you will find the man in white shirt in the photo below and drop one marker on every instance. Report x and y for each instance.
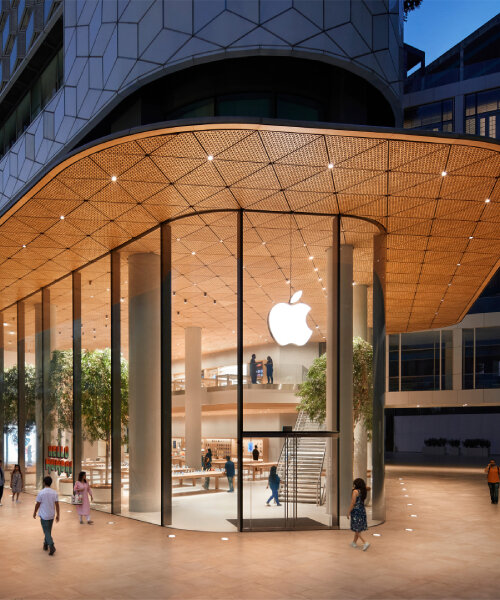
(48, 503)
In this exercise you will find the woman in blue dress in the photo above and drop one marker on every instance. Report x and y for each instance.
(357, 512)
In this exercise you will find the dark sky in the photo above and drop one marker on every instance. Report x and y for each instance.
(438, 25)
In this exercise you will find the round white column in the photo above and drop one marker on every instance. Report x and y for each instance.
(360, 329)
(193, 396)
(144, 383)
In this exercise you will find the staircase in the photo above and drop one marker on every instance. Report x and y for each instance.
(306, 455)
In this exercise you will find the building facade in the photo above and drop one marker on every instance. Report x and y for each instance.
(183, 183)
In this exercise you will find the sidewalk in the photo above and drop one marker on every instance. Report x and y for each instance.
(449, 554)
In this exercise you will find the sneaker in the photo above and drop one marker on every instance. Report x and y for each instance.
(354, 545)
(90, 522)
(366, 546)
(45, 546)
(52, 550)
(267, 504)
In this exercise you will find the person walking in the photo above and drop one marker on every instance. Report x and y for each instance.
(207, 465)
(47, 502)
(83, 488)
(16, 483)
(357, 513)
(2, 481)
(273, 483)
(229, 469)
(269, 370)
(493, 480)
(253, 369)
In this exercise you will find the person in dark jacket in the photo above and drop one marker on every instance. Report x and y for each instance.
(229, 468)
(253, 369)
(255, 453)
(274, 484)
(2, 481)
(207, 465)
(269, 370)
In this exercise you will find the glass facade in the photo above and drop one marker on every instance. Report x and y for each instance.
(421, 361)
(481, 358)
(437, 116)
(150, 366)
(482, 113)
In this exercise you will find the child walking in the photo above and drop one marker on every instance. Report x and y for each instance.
(357, 512)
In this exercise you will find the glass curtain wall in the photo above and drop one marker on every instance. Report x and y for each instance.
(58, 425)
(96, 381)
(10, 391)
(141, 379)
(204, 372)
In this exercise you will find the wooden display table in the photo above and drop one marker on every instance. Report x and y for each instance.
(181, 477)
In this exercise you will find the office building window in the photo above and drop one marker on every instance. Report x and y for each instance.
(481, 358)
(394, 363)
(482, 113)
(420, 361)
(437, 116)
(446, 360)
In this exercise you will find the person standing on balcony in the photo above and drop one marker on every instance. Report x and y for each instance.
(229, 468)
(493, 480)
(269, 370)
(253, 369)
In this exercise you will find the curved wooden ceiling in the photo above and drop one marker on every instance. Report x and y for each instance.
(438, 198)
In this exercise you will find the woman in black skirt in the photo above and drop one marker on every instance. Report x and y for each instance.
(357, 512)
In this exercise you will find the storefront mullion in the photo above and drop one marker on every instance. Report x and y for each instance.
(116, 400)
(21, 387)
(77, 372)
(239, 358)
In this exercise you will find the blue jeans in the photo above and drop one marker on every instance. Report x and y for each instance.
(230, 481)
(47, 530)
(274, 494)
(493, 492)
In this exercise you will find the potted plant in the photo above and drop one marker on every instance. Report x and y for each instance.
(476, 447)
(434, 446)
(453, 447)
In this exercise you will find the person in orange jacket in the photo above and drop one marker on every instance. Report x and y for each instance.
(493, 471)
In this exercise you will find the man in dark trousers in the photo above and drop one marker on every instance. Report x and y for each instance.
(255, 453)
(48, 503)
(229, 468)
(2, 481)
(493, 480)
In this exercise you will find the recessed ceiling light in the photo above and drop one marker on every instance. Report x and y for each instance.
(210, 157)
(376, 535)
(323, 288)
(330, 165)
(458, 264)
(487, 200)
(443, 173)
(6, 324)
(353, 283)
(287, 282)
(263, 243)
(407, 529)
(193, 252)
(221, 241)
(316, 268)
(171, 535)
(62, 217)
(225, 539)
(178, 239)
(471, 237)
(311, 258)
(317, 326)
(113, 178)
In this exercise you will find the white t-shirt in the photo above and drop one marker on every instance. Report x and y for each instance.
(47, 498)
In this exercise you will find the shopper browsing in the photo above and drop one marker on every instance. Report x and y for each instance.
(253, 369)
(269, 370)
(16, 483)
(47, 504)
(493, 480)
(2, 481)
(207, 465)
(229, 469)
(83, 488)
(357, 512)
(273, 483)
(255, 453)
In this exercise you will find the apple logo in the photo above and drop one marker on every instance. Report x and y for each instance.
(287, 322)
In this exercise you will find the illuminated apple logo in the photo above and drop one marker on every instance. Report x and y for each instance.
(287, 322)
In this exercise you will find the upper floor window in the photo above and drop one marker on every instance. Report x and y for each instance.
(482, 113)
(481, 358)
(437, 116)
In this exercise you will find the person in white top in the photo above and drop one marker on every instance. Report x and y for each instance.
(48, 503)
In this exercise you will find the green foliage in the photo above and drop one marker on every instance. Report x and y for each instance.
(409, 5)
(312, 392)
(10, 399)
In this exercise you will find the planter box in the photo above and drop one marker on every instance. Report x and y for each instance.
(475, 451)
(434, 450)
(452, 450)
(66, 487)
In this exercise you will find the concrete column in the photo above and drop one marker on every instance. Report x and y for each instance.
(193, 396)
(360, 329)
(345, 384)
(457, 358)
(144, 382)
(40, 451)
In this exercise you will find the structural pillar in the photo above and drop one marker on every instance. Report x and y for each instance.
(21, 388)
(379, 359)
(193, 396)
(39, 396)
(2, 401)
(360, 330)
(144, 382)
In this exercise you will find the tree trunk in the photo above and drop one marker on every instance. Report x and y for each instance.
(360, 450)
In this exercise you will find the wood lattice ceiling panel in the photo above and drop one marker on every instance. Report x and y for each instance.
(437, 197)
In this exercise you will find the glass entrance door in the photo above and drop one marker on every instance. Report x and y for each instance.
(287, 485)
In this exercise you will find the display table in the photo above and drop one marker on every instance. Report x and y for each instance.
(250, 466)
(195, 475)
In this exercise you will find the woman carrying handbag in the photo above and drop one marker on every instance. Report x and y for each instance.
(82, 489)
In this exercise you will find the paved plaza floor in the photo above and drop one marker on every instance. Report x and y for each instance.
(448, 550)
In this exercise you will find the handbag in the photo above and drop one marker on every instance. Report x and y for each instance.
(77, 498)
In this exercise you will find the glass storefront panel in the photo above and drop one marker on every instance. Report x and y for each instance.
(420, 361)
(10, 389)
(204, 372)
(487, 357)
(96, 381)
(58, 438)
(141, 378)
(446, 360)
(467, 359)
(394, 363)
